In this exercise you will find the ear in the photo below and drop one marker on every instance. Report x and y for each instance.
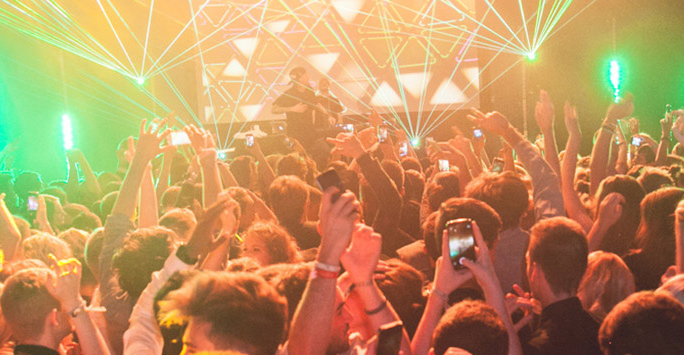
(536, 272)
(52, 318)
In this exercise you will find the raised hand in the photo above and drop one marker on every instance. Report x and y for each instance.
(610, 209)
(544, 112)
(571, 121)
(482, 266)
(64, 282)
(336, 224)
(348, 145)
(150, 139)
(361, 258)
(620, 110)
(368, 137)
(202, 240)
(666, 124)
(492, 121)
(374, 118)
(446, 278)
(522, 300)
(678, 126)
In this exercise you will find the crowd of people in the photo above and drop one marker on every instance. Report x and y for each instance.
(178, 251)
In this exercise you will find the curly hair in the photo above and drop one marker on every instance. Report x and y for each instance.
(279, 243)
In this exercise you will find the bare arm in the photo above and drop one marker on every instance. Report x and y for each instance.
(679, 233)
(599, 154)
(226, 176)
(621, 166)
(165, 172)
(266, 173)
(10, 238)
(664, 145)
(571, 201)
(90, 179)
(609, 213)
(149, 214)
(544, 114)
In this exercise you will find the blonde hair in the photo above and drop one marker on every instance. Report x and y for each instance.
(606, 282)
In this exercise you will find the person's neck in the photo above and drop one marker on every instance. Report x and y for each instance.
(45, 340)
(551, 298)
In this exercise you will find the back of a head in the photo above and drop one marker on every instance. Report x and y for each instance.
(444, 186)
(243, 311)
(606, 282)
(403, 286)
(559, 246)
(462, 207)
(653, 178)
(473, 326)
(280, 245)
(292, 164)
(395, 173)
(620, 236)
(93, 249)
(76, 239)
(180, 220)
(505, 192)
(644, 323)
(107, 205)
(288, 196)
(414, 184)
(87, 221)
(675, 286)
(411, 163)
(289, 280)
(656, 235)
(39, 246)
(26, 303)
(143, 252)
(169, 197)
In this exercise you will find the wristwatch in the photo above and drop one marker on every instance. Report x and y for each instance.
(182, 254)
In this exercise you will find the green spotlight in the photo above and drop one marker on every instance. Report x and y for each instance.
(615, 79)
(415, 141)
(531, 56)
(140, 80)
(67, 133)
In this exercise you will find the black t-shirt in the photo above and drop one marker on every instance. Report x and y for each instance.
(331, 105)
(299, 125)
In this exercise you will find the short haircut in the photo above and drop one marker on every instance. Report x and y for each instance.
(462, 207)
(444, 186)
(241, 168)
(473, 326)
(86, 221)
(26, 302)
(292, 164)
(39, 246)
(411, 163)
(244, 312)
(180, 220)
(289, 280)
(559, 246)
(644, 323)
(76, 239)
(107, 204)
(288, 196)
(506, 193)
(280, 245)
(143, 252)
(403, 286)
(93, 249)
(653, 178)
(169, 197)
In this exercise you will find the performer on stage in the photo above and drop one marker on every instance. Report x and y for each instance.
(298, 104)
(331, 113)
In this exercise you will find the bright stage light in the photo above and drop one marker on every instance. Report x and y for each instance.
(140, 80)
(531, 56)
(415, 141)
(615, 79)
(67, 133)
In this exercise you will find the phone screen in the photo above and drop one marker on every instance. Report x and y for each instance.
(349, 127)
(403, 149)
(389, 339)
(32, 202)
(498, 165)
(382, 134)
(636, 141)
(179, 138)
(461, 241)
(477, 133)
(443, 165)
(249, 140)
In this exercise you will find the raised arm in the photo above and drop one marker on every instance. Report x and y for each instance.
(90, 179)
(312, 321)
(266, 173)
(544, 114)
(149, 211)
(571, 201)
(600, 152)
(679, 233)
(610, 211)
(164, 174)
(63, 283)
(10, 237)
(664, 145)
(621, 165)
(205, 148)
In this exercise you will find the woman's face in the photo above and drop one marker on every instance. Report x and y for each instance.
(256, 249)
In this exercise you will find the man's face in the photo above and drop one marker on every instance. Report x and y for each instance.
(196, 338)
(339, 337)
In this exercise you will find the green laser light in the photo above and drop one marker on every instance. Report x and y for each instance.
(531, 56)
(140, 80)
(67, 133)
(415, 142)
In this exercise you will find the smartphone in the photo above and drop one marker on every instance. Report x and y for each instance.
(636, 141)
(497, 165)
(249, 140)
(443, 165)
(403, 149)
(177, 138)
(289, 143)
(32, 201)
(477, 133)
(668, 108)
(382, 134)
(461, 241)
(389, 338)
(330, 178)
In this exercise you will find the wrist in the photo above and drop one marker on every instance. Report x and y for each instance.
(72, 304)
(328, 257)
